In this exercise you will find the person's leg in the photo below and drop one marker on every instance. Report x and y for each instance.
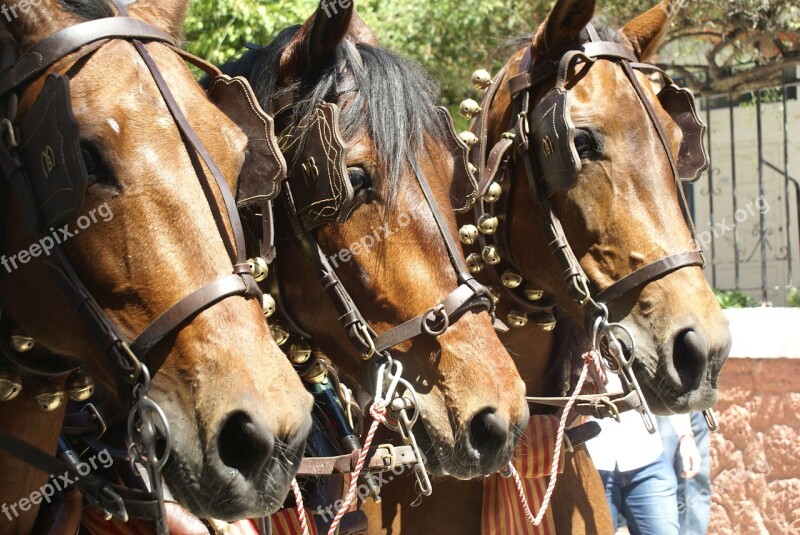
(694, 516)
(648, 499)
(613, 493)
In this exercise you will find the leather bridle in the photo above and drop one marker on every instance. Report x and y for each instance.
(495, 170)
(146, 421)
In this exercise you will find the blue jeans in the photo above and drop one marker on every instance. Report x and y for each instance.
(646, 497)
(694, 495)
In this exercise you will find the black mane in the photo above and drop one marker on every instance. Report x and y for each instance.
(393, 98)
(89, 9)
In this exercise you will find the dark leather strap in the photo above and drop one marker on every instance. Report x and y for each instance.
(64, 42)
(190, 306)
(498, 160)
(650, 272)
(596, 405)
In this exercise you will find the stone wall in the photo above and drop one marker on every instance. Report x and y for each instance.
(755, 455)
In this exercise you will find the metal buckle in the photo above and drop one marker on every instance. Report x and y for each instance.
(8, 127)
(363, 332)
(711, 419)
(605, 401)
(90, 408)
(437, 310)
(391, 457)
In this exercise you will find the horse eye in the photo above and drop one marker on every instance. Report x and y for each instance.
(585, 144)
(98, 172)
(89, 160)
(358, 179)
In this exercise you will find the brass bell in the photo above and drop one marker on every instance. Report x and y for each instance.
(494, 292)
(317, 374)
(532, 294)
(258, 268)
(487, 224)
(49, 396)
(469, 109)
(546, 322)
(490, 255)
(469, 139)
(268, 305)
(468, 234)
(481, 79)
(517, 319)
(22, 344)
(279, 333)
(493, 192)
(79, 386)
(10, 385)
(474, 263)
(511, 279)
(299, 352)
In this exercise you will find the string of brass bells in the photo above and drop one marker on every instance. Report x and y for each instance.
(488, 224)
(49, 396)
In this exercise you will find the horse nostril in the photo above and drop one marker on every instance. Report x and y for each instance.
(244, 445)
(488, 434)
(689, 359)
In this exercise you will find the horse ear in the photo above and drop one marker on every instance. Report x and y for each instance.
(314, 46)
(562, 27)
(167, 15)
(646, 31)
(361, 33)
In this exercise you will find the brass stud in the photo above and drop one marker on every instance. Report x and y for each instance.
(279, 333)
(487, 224)
(510, 279)
(474, 263)
(469, 139)
(546, 322)
(472, 169)
(258, 268)
(268, 305)
(481, 79)
(299, 352)
(469, 109)
(22, 344)
(517, 319)
(10, 385)
(468, 234)
(532, 294)
(49, 396)
(494, 292)
(79, 386)
(490, 255)
(493, 192)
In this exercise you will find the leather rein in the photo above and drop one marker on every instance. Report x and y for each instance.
(496, 169)
(146, 421)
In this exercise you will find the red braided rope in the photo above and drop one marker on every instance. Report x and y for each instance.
(590, 356)
(378, 412)
(301, 508)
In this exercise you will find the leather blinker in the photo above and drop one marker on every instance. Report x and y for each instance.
(692, 158)
(51, 153)
(552, 141)
(264, 167)
(320, 183)
(464, 185)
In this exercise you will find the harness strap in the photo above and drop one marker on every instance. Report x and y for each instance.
(650, 272)
(64, 42)
(596, 405)
(383, 457)
(191, 306)
(121, 502)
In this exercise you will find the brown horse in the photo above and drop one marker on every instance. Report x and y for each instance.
(385, 246)
(237, 411)
(621, 213)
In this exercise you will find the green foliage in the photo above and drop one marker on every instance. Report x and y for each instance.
(734, 299)
(793, 298)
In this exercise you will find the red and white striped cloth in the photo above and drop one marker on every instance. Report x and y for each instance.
(502, 510)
